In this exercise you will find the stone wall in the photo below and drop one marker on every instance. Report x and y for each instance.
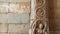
(14, 16)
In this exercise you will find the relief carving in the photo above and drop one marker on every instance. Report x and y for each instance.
(40, 2)
(40, 13)
(39, 26)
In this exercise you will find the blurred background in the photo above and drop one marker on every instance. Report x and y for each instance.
(54, 16)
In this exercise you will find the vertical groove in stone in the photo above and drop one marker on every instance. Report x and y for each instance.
(39, 25)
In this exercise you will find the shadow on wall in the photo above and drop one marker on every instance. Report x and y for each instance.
(51, 15)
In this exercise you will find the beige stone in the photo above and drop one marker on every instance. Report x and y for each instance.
(22, 7)
(12, 14)
(3, 18)
(3, 33)
(3, 27)
(18, 18)
(4, 0)
(11, 28)
(14, 0)
(17, 33)
(16, 12)
(12, 32)
(23, 33)
(18, 28)
(3, 7)
(19, 0)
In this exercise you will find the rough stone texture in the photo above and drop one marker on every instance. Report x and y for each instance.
(14, 16)
(3, 33)
(18, 33)
(3, 18)
(3, 7)
(22, 7)
(14, 12)
(18, 28)
(39, 25)
(18, 18)
(3, 27)
(14, 0)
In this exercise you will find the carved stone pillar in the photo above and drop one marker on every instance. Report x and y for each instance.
(40, 23)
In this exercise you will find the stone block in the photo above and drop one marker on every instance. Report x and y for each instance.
(22, 7)
(3, 33)
(19, 28)
(17, 33)
(18, 18)
(3, 27)
(3, 18)
(4, 7)
(19, 0)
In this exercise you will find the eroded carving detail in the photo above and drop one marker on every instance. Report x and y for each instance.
(40, 13)
(39, 26)
(40, 2)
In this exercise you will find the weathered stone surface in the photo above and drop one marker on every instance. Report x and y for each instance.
(15, 12)
(18, 18)
(23, 7)
(12, 33)
(14, 0)
(3, 18)
(18, 28)
(39, 26)
(3, 27)
(3, 33)
(3, 7)
(17, 33)
(14, 16)
(19, 0)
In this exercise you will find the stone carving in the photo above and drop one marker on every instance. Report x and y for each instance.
(40, 13)
(39, 26)
(40, 3)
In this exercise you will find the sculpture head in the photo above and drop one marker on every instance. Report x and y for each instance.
(40, 26)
